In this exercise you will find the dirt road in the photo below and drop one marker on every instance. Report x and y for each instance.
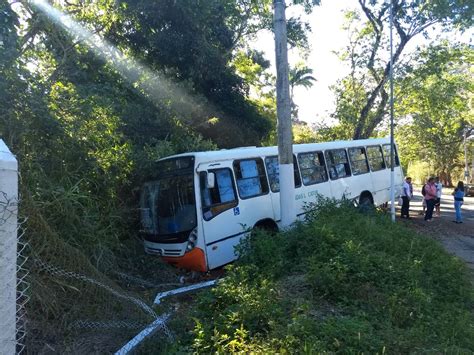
(457, 239)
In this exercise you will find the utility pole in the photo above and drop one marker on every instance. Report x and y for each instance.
(285, 135)
(466, 164)
(392, 141)
(472, 167)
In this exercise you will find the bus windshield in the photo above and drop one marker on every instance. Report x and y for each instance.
(168, 205)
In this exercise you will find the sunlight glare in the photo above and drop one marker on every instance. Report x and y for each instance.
(160, 90)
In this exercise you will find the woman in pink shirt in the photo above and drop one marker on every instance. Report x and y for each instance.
(430, 197)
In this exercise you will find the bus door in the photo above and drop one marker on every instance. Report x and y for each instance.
(219, 203)
(234, 196)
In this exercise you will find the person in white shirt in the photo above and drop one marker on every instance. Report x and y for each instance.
(439, 190)
(407, 193)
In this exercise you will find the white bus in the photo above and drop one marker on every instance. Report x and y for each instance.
(202, 204)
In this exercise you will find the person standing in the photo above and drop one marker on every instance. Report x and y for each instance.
(458, 201)
(406, 197)
(439, 192)
(430, 197)
(423, 200)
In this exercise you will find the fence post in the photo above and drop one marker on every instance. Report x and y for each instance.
(8, 249)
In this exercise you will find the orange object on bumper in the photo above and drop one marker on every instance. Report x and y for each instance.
(193, 260)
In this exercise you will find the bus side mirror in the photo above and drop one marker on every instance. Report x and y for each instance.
(210, 180)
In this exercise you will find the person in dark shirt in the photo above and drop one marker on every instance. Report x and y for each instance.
(407, 193)
(458, 201)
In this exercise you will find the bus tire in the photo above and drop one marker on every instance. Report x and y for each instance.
(366, 202)
(267, 225)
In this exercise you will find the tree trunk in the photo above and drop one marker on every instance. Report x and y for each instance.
(364, 127)
(285, 139)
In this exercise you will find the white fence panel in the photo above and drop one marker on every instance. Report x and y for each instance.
(8, 249)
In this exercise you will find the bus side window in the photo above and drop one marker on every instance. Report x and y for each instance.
(358, 160)
(312, 167)
(221, 197)
(273, 171)
(376, 162)
(251, 177)
(338, 163)
(386, 154)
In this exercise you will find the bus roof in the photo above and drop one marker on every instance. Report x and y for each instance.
(250, 152)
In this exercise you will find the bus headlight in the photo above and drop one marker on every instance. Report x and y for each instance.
(192, 240)
(190, 246)
(193, 236)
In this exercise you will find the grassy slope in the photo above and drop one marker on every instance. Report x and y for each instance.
(62, 308)
(344, 282)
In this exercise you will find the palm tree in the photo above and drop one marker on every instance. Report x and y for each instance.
(300, 75)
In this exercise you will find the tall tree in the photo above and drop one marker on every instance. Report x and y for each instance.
(300, 75)
(367, 51)
(205, 37)
(435, 106)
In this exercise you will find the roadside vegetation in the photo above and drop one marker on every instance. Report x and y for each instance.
(343, 282)
(87, 136)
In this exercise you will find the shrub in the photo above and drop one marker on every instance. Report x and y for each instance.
(341, 282)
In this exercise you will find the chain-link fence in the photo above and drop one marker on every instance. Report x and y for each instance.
(53, 299)
(130, 324)
(65, 304)
(22, 288)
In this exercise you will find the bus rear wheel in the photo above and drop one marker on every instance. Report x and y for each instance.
(267, 225)
(366, 204)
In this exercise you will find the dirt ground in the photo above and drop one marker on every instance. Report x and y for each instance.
(457, 239)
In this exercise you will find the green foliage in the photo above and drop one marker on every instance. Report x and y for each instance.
(86, 137)
(436, 106)
(303, 134)
(362, 96)
(342, 282)
(350, 100)
(202, 43)
(419, 171)
(299, 75)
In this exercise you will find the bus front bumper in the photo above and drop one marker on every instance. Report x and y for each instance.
(193, 260)
(175, 254)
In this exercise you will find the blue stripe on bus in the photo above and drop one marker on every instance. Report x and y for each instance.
(236, 235)
(225, 238)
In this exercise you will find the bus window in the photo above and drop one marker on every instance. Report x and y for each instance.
(313, 169)
(273, 171)
(386, 154)
(221, 197)
(251, 177)
(358, 161)
(374, 154)
(338, 164)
